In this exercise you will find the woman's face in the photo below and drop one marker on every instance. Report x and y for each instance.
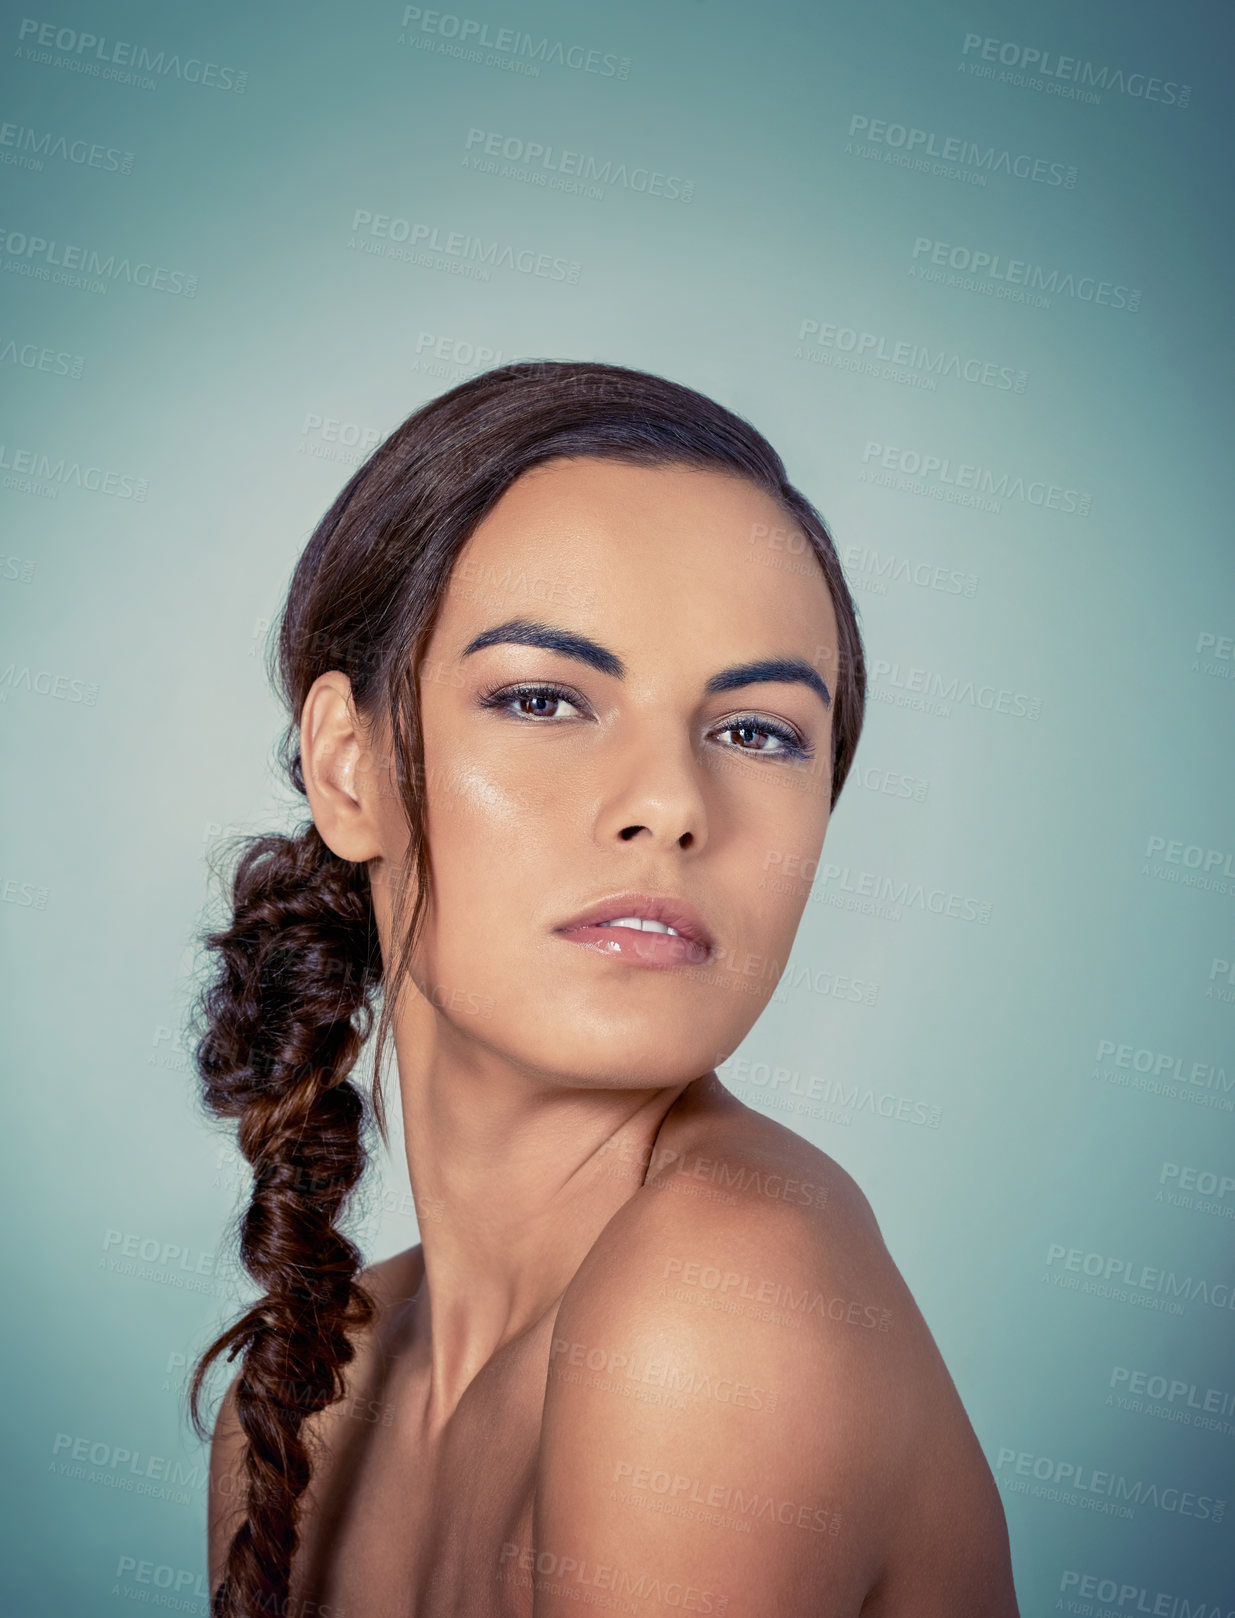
(637, 754)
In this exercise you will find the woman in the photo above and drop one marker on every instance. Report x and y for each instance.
(566, 707)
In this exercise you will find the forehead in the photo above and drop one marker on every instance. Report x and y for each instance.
(635, 555)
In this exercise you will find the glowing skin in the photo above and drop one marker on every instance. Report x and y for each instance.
(537, 1067)
(536, 817)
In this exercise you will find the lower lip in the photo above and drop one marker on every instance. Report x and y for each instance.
(633, 945)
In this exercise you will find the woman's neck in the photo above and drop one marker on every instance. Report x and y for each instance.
(514, 1176)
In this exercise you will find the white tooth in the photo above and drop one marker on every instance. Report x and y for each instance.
(642, 923)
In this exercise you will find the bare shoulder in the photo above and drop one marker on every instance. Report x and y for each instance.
(736, 1185)
(390, 1283)
(744, 1395)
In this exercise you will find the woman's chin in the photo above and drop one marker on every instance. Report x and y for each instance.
(621, 1058)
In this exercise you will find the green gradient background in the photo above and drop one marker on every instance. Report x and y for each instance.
(112, 807)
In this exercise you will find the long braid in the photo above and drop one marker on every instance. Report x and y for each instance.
(288, 1013)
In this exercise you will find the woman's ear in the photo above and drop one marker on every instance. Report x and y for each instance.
(339, 762)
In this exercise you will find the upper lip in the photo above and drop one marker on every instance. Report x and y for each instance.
(677, 913)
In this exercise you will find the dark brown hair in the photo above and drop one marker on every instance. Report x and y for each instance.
(298, 969)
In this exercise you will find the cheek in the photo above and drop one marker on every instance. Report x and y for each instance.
(492, 810)
(496, 849)
(783, 868)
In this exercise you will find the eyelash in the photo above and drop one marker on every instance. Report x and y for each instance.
(792, 745)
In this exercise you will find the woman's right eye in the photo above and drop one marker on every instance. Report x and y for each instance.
(531, 702)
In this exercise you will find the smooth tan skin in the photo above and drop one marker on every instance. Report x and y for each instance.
(573, 1153)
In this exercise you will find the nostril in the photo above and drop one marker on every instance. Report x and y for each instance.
(628, 832)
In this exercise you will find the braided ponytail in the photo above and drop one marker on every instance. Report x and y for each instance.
(288, 1013)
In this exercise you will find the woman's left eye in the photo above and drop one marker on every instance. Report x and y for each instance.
(763, 736)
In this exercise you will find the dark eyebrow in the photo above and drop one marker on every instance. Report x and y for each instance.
(792, 670)
(524, 632)
(527, 632)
